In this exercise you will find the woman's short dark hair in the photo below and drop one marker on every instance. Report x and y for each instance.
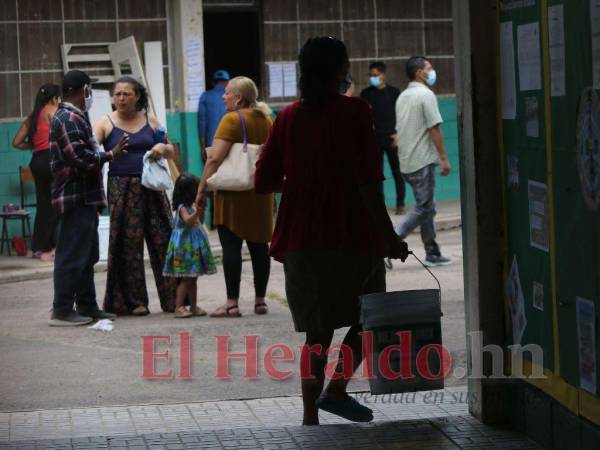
(320, 59)
(139, 88)
(413, 65)
(186, 188)
(44, 94)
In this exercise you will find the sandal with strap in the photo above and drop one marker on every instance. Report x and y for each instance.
(225, 311)
(182, 313)
(261, 308)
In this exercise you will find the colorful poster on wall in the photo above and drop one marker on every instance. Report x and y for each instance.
(516, 302)
(507, 67)
(529, 57)
(586, 338)
(532, 117)
(539, 228)
(538, 296)
(556, 38)
(595, 28)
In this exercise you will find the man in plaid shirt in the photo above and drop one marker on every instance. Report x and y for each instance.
(77, 196)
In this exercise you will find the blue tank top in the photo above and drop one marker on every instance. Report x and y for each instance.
(129, 165)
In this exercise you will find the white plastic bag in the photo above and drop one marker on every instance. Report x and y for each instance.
(102, 325)
(155, 174)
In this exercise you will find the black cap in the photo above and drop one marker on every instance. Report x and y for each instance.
(75, 79)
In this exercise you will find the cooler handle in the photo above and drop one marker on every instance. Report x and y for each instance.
(389, 265)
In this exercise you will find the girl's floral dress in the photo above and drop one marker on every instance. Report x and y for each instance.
(188, 254)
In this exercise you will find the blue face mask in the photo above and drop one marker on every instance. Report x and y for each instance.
(375, 81)
(431, 77)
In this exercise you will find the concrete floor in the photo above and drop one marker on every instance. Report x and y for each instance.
(44, 367)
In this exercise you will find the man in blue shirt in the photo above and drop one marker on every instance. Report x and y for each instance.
(211, 110)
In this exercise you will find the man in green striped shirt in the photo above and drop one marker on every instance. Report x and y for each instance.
(420, 149)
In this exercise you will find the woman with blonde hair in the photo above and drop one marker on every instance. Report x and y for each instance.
(241, 215)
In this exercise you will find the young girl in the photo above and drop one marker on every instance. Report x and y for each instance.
(188, 254)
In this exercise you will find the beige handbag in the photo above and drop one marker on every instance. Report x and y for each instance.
(236, 172)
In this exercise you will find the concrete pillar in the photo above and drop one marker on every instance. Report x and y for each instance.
(186, 83)
(476, 44)
(185, 58)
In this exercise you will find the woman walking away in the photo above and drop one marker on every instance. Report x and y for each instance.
(241, 215)
(188, 255)
(333, 230)
(136, 213)
(35, 134)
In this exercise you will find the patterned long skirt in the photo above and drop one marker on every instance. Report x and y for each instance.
(137, 213)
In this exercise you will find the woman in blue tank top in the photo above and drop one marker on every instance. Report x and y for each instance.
(136, 213)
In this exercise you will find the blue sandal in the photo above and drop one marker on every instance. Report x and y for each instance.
(348, 408)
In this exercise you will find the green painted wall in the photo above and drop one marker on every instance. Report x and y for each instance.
(10, 160)
(183, 130)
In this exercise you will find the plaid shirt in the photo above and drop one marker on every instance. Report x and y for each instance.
(76, 161)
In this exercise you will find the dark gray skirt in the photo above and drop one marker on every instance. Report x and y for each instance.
(323, 287)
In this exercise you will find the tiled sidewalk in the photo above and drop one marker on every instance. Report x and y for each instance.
(424, 420)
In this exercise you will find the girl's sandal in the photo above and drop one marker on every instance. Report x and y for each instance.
(226, 311)
(261, 308)
(197, 311)
(182, 313)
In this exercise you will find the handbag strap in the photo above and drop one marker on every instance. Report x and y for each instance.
(244, 132)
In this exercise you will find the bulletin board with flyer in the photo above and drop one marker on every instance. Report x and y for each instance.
(549, 114)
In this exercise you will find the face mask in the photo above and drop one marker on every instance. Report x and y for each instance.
(374, 81)
(345, 84)
(431, 77)
(89, 100)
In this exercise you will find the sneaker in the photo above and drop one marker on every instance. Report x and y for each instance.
(437, 260)
(98, 314)
(71, 319)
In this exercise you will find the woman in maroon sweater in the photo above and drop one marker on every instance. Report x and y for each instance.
(332, 231)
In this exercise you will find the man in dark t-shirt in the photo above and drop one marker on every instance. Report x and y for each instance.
(382, 98)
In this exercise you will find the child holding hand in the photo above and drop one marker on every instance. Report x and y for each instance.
(188, 254)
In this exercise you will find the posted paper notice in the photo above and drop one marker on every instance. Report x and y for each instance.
(195, 74)
(595, 27)
(532, 117)
(276, 80)
(586, 338)
(507, 64)
(516, 302)
(290, 81)
(556, 38)
(529, 57)
(539, 228)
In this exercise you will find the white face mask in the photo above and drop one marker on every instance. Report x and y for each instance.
(89, 100)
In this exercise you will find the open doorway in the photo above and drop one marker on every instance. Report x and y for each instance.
(232, 43)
